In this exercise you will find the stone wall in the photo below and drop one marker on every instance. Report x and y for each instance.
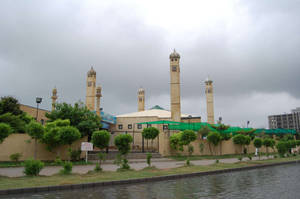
(22, 143)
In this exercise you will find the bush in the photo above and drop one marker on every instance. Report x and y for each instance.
(239, 139)
(257, 142)
(74, 154)
(124, 164)
(250, 156)
(69, 134)
(240, 158)
(67, 168)
(97, 168)
(33, 167)
(149, 156)
(5, 130)
(298, 142)
(187, 136)
(188, 163)
(101, 139)
(174, 141)
(58, 161)
(15, 157)
(217, 161)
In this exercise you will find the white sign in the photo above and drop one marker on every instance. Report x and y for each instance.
(86, 146)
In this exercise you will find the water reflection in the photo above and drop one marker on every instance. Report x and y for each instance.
(274, 182)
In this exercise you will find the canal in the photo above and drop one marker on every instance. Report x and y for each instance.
(282, 182)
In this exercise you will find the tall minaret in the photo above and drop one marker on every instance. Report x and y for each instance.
(90, 90)
(54, 98)
(98, 95)
(209, 101)
(141, 99)
(175, 86)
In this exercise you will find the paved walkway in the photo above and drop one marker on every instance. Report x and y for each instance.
(137, 164)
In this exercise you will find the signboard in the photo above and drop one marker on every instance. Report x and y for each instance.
(86, 146)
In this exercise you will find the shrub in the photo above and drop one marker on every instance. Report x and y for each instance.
(188, 163)
(257, 142)
(149, 156)
(101, 139)
(240, 158)
(217, 161)
(174, 141)
(58, 161)
(74, 154)
(268, 142)
(67, 168)
(33, 167)
(15, 157)
(5, 130)
(97, 167)
(124, 164)
(250, 156)
(239, 139)
(298, 142)
(187, 136)
(69, 134)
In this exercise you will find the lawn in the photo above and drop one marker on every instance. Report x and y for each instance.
(21, 182)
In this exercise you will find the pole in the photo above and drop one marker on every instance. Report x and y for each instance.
(86, 156)
(37, 111)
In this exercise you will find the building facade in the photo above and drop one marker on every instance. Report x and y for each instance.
(286, 121)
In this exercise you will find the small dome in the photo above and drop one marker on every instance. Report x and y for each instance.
(91, 72)
(99, 88)
(174, 54)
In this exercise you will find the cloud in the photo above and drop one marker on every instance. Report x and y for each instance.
(249, 49)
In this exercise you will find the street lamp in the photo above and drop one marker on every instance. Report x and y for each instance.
(220, 120)
(248, 122)
(38, 101)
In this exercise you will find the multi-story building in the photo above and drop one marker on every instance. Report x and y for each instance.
(286, 121)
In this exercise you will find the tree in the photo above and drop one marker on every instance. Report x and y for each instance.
(204, 131)
(79, 116)
(101, 139)
(281, 148)
(187, 136)
(268, 142)
(14, 121)
(11, 105)
(242, 140)
(150, 134)
(122, 142)
(36, 131)
(224, 135)
(5, 130)
(69, 134)
(174, 141)
(257, 142)
(213, 138)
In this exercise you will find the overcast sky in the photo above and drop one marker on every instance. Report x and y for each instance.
(250, 49)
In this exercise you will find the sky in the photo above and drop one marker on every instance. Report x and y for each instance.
(250, 49)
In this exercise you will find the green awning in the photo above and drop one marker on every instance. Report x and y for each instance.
(160, 122)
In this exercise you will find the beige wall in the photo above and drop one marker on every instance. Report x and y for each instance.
(32, 112)
(22, 143)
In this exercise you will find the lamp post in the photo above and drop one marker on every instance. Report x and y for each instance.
(38, 101)
(220, 120)
(248, 122)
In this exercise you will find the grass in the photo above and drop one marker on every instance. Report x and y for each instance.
(209, 157)
(47, 163)
(21, 182)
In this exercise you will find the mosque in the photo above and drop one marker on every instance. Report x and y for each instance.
(133, 123)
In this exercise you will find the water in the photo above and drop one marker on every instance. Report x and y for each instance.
(282, 182)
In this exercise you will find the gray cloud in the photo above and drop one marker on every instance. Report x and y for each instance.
(252, 57)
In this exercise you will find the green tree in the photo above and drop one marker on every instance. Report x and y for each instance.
(257, 142)
(101, 139)
(122, 142)
(150, 133)
(282, 148)
(213, 138)
(241, 140)
(15, 122)
(224, 136)
(69, 134)
(36, 131)
(80, 117)
(11, 105)
(174, 141)
(204, 131)
(268, 142)
(5, 130)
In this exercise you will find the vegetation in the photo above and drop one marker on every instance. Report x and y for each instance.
(213, 138)
(257, 142)
(79, 116)
(74, 154)
(36, 131)
(67, 168)
(268, 142)
(122, 142)
(33, 167)
(242, 140)
(149, 156)
(22, 182)
(101, 139)
(150, 133)
(5, 130)
(15, 157)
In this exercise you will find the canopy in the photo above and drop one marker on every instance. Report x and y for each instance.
(160, 122)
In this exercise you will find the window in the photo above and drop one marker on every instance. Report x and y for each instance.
(129, 126)
(139, 126)
(89, 84)
(120, 126)
(175, 59)
(165, 127)
(174, 68)
(149, 125)
(140, 99)
(172, 59)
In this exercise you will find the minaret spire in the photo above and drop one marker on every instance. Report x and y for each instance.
(209, 100)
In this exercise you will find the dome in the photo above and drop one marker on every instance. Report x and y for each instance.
(174, 54)
(141, 91)
(91, 72)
